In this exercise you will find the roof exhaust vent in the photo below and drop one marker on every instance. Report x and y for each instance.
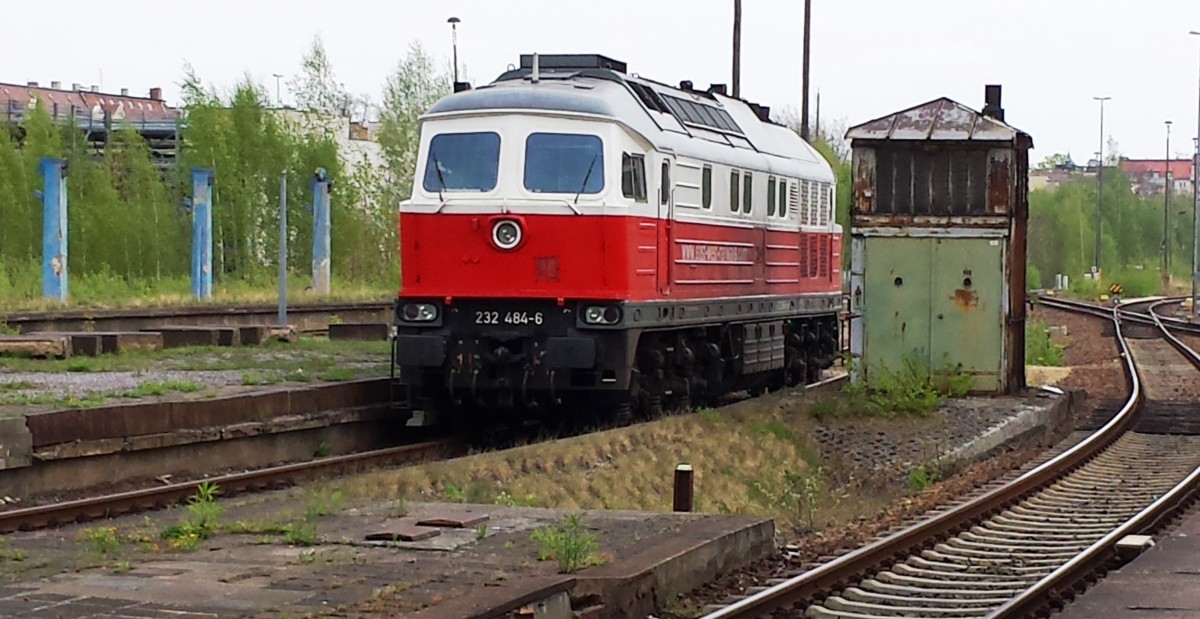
(991, 97)
(718, 89)
(686, 85)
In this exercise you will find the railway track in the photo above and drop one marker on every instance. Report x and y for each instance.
(107, 506)
(1018, 549)
(306, 316)
(116, 504)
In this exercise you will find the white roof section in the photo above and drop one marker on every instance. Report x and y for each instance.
(752, 144)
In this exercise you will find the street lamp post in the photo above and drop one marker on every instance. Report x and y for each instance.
(1196, 207)
(1099, 186)
(1166, 251)
(454, 21)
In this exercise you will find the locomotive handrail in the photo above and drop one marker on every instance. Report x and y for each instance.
(504, 203)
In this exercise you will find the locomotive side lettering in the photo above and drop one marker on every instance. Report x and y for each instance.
(715, 254)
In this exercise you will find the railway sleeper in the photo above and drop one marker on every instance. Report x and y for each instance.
(1007, 555)
(860, 595)
(970, 570)
(1021, 532)
(1030, 545)
(919, 578)
(872, 584)
(881, 610)
(1037, 527)
(970, 538)
(975, 571)
(1022, 513)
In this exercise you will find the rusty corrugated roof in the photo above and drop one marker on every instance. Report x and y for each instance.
(941, 119)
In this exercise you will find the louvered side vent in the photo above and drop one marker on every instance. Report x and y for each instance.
(794, 199)
(802, 190)
(803, 268)
(823, 267)
(814, 256)
(814, 204)
(823, 219)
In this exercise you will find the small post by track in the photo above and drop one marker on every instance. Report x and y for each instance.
(683, 494)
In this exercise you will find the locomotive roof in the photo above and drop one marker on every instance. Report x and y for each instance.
(705, 125)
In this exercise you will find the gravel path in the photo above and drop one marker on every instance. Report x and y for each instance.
(62, 384)
(884, 452)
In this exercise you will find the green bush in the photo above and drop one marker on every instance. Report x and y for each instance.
(1039, 349)
(568, 543)
(911, 390)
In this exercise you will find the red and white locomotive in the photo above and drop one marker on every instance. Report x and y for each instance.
(579, 237)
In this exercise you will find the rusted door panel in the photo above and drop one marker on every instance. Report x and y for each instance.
(896, 300)
(966, 302)
(864, 180)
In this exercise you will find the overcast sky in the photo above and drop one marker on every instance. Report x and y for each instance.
(869, 57)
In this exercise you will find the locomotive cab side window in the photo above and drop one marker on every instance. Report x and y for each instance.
(564, 163)
(462, 162)
(706, 187)
(633, 176)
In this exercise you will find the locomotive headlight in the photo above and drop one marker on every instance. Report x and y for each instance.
(506, 234)
(419, 312)
(602, 315)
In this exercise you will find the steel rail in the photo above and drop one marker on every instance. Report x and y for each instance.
(1040, 594)
(871, 557)
(92, 508)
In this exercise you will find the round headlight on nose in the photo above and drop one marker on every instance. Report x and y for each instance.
(506, 234)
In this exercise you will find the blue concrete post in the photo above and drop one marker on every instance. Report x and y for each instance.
(202, 233)
(54, 227)
(320, 265)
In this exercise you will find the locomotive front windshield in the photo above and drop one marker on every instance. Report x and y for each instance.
(462, 162)
(564, 163)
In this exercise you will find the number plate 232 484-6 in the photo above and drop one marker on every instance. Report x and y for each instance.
(485, 317)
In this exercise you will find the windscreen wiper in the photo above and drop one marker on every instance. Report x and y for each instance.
(586, 177)
(437, 167)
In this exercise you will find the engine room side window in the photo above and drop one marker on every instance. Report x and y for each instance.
(633, 176)
(747, 192)
(665, 193)
(706, 187)
(462, 162)
(734, 181)
(564, 163)
(771, 196)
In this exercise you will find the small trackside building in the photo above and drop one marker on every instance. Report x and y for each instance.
(938, 243)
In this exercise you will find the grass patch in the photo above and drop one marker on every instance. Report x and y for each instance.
(16, 385)
(162, 387)
(300, 360)
(568, 543)
(201, 521)
(102, 540)
(7, 553)
(913, 390)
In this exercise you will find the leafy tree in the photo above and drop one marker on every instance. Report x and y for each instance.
(410, 90)
(315, 87)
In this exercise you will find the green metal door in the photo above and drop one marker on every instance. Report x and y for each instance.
(897, 281)
(967, 308)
